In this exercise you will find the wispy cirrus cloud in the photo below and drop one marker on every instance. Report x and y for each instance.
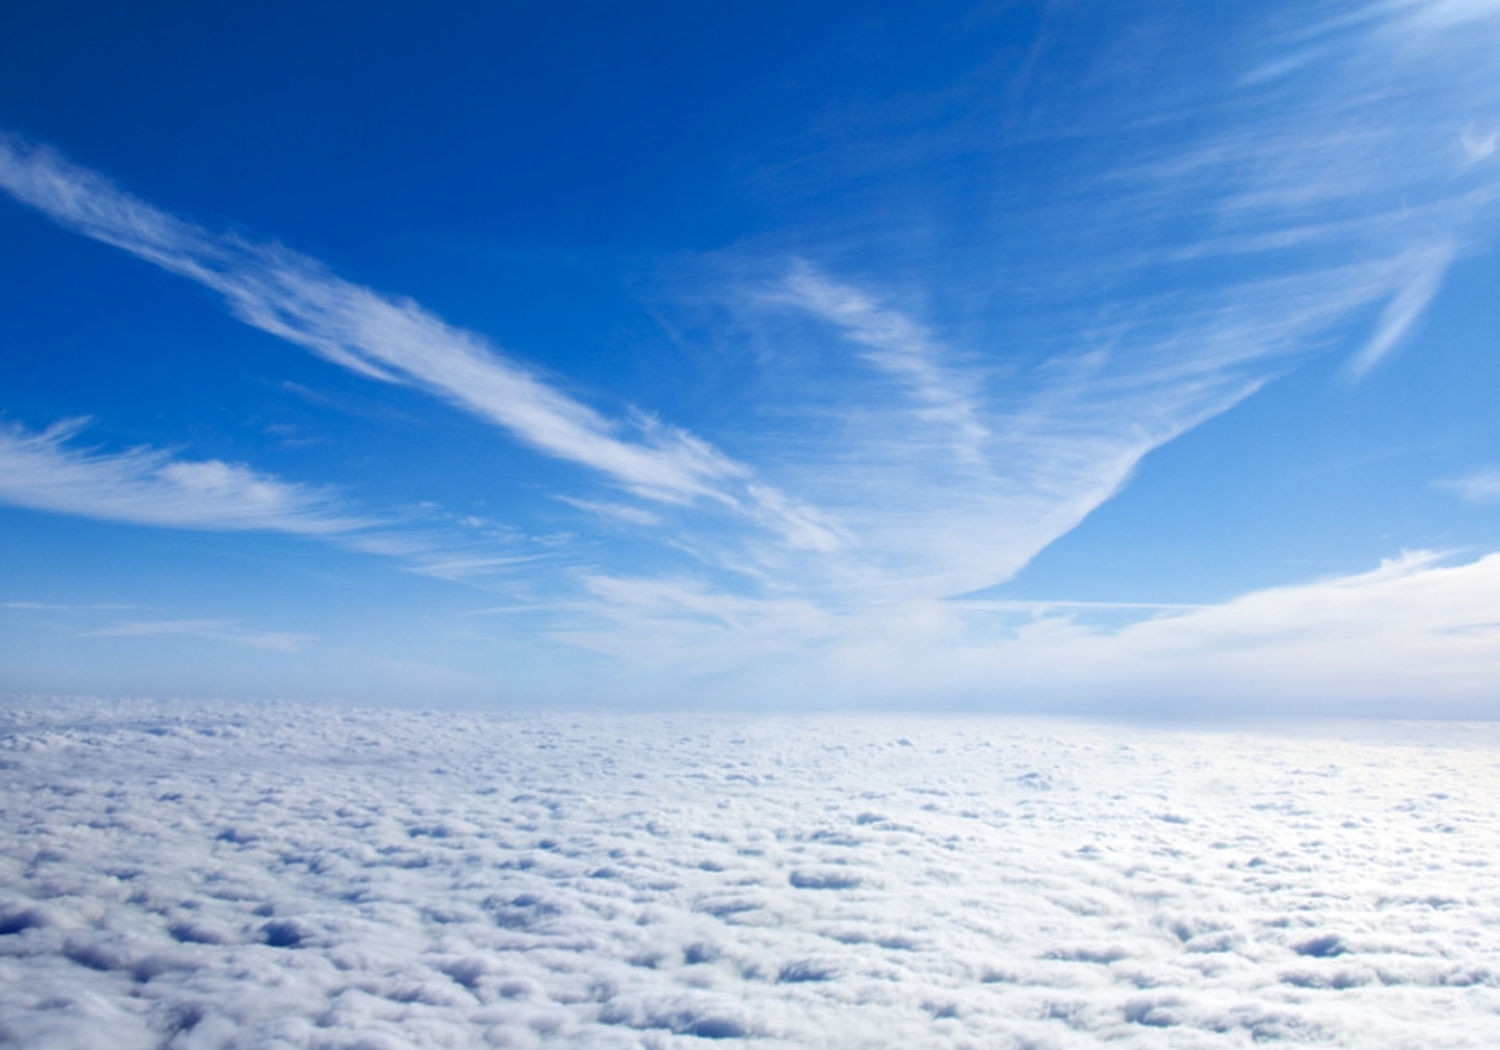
(942, 396)
(1404, 309)
(49, 470)
(610, 511)
(391, 340)
(1311, 200)
(1375, 145)
(684, 624)
(1478, 486)
(43, 470)
(952, 473)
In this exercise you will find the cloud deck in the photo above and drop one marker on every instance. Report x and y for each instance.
(202, 876)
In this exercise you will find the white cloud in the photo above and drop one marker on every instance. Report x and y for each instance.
(1404, 309)
(896, 345)
(685, 625)
(1428, 15)
(1418, 630)
(1478, 145)
(226, 875)
(147, 486)
(1480, 486)
(449, 567)
(957, 476)
(1040, 352)
(1418, 634)
(47, 470)
(1042, 606)
(616, 511)
(1039, 467)
(803, 527)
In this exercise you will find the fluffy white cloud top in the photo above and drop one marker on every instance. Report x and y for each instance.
(235, 876)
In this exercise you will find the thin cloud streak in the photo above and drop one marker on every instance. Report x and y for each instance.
(684, 625)
(895, 344)
(1418, 628)
(1479, 486)
(146, 486)
(208, 630)
(619, 512)
(1403, 311)
(66, 607)
(1044, 605)
(48, 471)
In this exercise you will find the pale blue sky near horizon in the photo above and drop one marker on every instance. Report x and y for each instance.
(1010, 356)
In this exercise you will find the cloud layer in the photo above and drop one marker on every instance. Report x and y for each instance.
(193, 878)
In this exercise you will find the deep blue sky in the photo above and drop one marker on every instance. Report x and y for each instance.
(1034, 355)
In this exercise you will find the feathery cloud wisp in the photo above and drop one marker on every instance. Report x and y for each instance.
(46, 470)
(1404, 309)
(146, 486)
(1479, 486)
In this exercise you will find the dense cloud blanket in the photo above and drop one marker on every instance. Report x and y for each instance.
(247, 876)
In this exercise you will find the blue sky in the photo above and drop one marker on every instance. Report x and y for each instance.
(1012, 356)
